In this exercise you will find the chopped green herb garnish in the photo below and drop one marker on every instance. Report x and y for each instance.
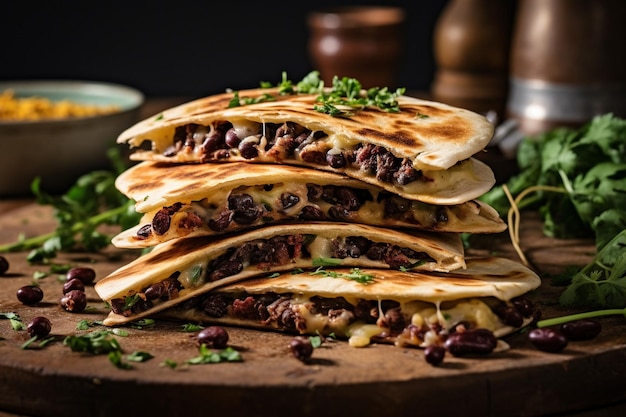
(190, 327)
(342, 99)
(97, 342)
(323, 261)
(120, 332)
(208, 356)
(139, 356)
(130, 301)
(169, 363)
(29, 344)
(316, 341)
(16, 321)
(356, 274)
(91, 202)
(142, 323)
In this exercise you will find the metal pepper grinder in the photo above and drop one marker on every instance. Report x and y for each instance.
(567, 63)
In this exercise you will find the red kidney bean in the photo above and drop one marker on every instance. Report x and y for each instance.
(524, 305)
(215, 336)
(547, 339)
(73, 284)
(39, 326)
(301, 348)
(4, 265)
(469, 342)
(86, 275)
(434, 354)
(509, 315)
(74, 301)
(586, 329)
(30, 294)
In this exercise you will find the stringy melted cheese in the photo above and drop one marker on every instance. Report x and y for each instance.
(360, 334)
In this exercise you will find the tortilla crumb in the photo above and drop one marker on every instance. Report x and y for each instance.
(39, 108)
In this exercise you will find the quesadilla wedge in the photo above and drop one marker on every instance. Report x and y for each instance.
(423, 148)
(179, 269)
(389, 306)
(211, 199)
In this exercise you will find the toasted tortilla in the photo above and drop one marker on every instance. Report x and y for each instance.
(424, 148)
(353, 303)
(186, 200)
(190, 266)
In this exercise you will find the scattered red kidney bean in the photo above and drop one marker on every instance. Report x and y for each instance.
(214, 336)
(547, 339)
(4, 265)
(86, 275)
(301, 348)
(30, 295)
(73, 284)
(434, 354)
(472, 341)
(39, 326)
(586, 329)
(74, 301)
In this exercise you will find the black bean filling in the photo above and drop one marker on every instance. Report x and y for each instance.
(265, 253)
(276, 311)
(286, 141)
(243, 210)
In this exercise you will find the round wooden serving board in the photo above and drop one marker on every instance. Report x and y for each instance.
(378, 380)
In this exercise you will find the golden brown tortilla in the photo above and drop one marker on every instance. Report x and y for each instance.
(463, 296)
(433, 138)
(198, 263)
(186, 200)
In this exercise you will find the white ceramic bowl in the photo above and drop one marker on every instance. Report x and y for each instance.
(60, 150)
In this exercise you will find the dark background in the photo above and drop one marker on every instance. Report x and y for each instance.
(183, 47)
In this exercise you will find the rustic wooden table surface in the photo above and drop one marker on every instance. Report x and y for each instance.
(586, 379)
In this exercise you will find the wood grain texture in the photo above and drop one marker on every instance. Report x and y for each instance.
(376, 380)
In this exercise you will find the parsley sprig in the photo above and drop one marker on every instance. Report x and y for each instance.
(576, 180)
(344, 97)
(93, 201)
(355, 274)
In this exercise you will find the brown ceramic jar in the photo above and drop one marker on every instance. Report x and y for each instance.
(362, 42)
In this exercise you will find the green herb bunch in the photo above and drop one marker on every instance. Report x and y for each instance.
(579, 177)
(576, 180)
(92, 201)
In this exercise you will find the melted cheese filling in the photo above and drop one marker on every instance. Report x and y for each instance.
(359, 334)
(248, 131)
(463, 217)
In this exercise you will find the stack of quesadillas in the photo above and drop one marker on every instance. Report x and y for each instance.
(264, 210)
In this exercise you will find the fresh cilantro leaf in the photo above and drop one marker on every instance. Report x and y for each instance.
(142, 323)
(316, 341)
(169, 363)
(579, 179)
(97, 342)
(355, 274)
(116, 358)
(191, 328)
(14, 319)
(139, 356)
(208, 356)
